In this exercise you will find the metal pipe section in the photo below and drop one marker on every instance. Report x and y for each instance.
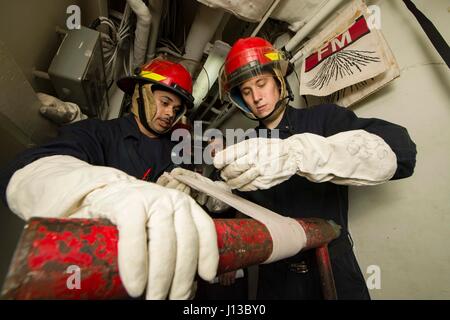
(52, 253)
(142, 30)
(209, 73)
(227, 111)
(326, 273)
(315, 21)
(266, 16)
(202, 30)
(209, 106)
(156, 9)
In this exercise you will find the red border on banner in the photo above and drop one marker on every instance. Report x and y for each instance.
(355, 31)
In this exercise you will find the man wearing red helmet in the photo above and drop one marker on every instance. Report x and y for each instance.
(306, 170)
(162, 93)
(107, 169)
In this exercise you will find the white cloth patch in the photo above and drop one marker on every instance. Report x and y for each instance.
(288, 236)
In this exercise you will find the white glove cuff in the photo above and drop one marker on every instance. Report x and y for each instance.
(55, 186)
(354, 157)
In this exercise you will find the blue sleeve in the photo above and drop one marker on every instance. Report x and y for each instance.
(339, 119)
(82, 140)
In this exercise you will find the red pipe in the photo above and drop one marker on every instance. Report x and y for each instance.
(39, 269)
(326, 273)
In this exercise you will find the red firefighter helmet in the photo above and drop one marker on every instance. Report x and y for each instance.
(248, 58)
(164, 75)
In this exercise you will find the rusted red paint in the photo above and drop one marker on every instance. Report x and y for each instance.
(319, 231)
(242, 242)
(49, 246)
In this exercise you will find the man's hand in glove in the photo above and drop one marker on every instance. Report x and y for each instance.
(352, 158)
(214, 205)
(164, 235)
(58, 111)
(180, 235)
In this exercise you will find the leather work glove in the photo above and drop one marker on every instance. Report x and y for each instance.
(58, 111)
(214, 205)
(352, 158)
(164, 236)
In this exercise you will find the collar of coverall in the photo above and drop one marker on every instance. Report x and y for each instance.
(130, 128)
(284, 123)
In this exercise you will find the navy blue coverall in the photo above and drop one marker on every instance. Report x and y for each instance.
(297, 277)
(119, 144)
(114, 143)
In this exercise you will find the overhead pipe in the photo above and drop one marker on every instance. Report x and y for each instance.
(227, 111)
(142, 31)
(156, 10)
(210, 105)
(315, 21)
(210, 72)
(205, 24)
(222, 25)
(266, 16)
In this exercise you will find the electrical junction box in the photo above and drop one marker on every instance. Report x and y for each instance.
(77, 72)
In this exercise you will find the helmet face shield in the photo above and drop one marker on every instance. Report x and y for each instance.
(251, 63)
(230, 84)
(247, 59)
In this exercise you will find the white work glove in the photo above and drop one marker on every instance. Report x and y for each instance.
(214, 205)
(59, 111)
(164, 236)
(354, 157)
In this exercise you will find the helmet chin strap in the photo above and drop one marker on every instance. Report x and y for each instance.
(278, 107)
(142, 116)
